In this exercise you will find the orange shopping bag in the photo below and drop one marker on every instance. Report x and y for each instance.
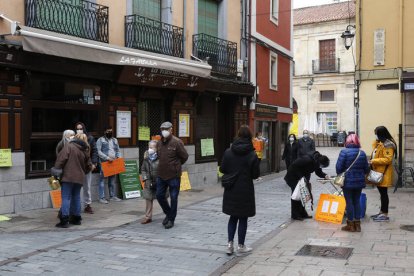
(115, 167)
(331, 208)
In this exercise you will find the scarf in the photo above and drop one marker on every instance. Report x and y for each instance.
(153, 156)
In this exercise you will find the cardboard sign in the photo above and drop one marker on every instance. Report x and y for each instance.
(130, 184)
(185, 182)
(56, 197)
(331, 208)
(112, 168)
(5, 158)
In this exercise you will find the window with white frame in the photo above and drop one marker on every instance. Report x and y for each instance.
(274, 10)
(273, 71)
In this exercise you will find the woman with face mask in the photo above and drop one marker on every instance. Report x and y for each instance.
(290, 152)
(384, 149)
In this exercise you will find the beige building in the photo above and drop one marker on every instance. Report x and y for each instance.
(323, 83)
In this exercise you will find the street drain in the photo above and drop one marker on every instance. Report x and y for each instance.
(407, 228)
(325, 251)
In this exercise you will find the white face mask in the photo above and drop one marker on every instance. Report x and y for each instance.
(79, 131)
(151, 151)
(291, 139)
(306, 135)
(165, 133)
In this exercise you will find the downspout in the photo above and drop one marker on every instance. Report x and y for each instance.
(184, 26)
(401, 128)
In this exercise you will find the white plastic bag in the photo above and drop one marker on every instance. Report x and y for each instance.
(296, 195)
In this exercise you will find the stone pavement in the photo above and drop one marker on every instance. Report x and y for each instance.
(113, 242)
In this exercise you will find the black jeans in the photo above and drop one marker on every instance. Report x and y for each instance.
(232, 226)
(384, 199)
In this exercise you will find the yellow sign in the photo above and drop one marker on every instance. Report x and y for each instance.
(207, 147)
(294, 126)
(331, 208)
(56, 197)
(185, 182)
(143, 133)
(5, 158)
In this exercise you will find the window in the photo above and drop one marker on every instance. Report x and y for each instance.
(273, 71)
(327, 122)
(274, 8)
(327, 55)
(208, 17)
(327, 95)
(147, 8)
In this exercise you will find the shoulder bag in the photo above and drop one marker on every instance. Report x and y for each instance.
(376, 177)
(340, 178)
(228, 179)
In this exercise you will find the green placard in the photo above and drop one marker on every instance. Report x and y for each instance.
(5, 158)
(144, 133)
(129, 179)
(207, 147)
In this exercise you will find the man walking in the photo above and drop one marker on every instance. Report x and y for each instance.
(305, 144)
(81, 128)
(172, 155)
(108, 150)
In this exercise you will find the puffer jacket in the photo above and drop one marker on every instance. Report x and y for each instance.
(382, 156)
(149, 172)
(355, 176)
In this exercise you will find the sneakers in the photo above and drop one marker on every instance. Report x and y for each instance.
(243, 249)
(381, 217)
(103, 201)
(376, 215)
(114, 198)
(230, 248)
(88, 209)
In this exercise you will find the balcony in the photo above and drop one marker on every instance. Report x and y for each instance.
(154, 36)
(329, 65)
(72, 17)
(221, 54)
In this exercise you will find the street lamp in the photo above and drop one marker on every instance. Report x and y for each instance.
(309, 88)
(348, 36)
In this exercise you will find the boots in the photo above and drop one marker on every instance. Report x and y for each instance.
(350, 226)
(75, 220)
(357, 224)
(64, 222)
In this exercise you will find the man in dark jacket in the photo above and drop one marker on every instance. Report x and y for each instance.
(81, 128)
(303, 167)
(305, 144)
(75, 161)
(172, 155)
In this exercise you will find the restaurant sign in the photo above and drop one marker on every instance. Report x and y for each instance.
(266, 111)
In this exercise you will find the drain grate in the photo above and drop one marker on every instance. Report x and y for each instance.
(407, 228)
(325, 251)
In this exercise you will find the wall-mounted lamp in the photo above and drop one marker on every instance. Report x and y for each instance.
(309, 84)
(348, 36)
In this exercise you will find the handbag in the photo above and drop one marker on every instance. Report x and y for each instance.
(376, 177)
(340, 178)
(228, 179)
(54, 183)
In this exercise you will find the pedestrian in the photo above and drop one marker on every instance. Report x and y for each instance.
(87, 197)
(75, 162)
(305, 144)
(108, 150)
(239, 199)
(172, 155)
(290, 152)
(353, 161)
(259, 146)
(66, 137)
(384, 149)
(303, 167)
(149, 174)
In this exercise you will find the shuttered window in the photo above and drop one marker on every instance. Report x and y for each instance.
(208, 17)
(147, 8)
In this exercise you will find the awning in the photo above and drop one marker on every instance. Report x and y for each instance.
(55, 44)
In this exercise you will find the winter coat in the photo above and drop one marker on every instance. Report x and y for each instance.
(290, 152)
(74, 159)
(355, 177)
(382, 157)
(92, 144)
(305, 146)
(303, 167)
(149, 173)
(172, 155)
(239, 200)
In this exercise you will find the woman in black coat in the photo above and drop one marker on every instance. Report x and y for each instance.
(290, 152)
(239, 199)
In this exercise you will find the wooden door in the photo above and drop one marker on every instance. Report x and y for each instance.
(327, 55)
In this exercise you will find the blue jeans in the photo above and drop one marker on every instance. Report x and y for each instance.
(71, 201)
(353, 204)
(173, 185)
(111, 185)
(232, 226)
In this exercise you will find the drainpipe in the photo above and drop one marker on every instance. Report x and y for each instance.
(184, 25)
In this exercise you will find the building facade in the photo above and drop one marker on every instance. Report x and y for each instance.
(130, 64)
(269, 50)
(323, 82)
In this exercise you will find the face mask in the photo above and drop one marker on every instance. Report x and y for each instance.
(108, 135)
(79, 131)
(305, 135)
(291, 139)
(165, 133)
(151, 151)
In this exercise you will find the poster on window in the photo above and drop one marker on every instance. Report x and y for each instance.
(184, 125)
(123, 124)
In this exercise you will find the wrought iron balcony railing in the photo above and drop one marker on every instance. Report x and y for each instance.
(329, 65)
(221, 54)
(154, 36)
(72, 17)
